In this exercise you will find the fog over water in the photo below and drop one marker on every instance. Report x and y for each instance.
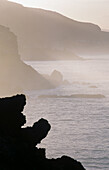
(80, 126)
(61, 64)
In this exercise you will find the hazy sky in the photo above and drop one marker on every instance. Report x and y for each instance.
(95, 11)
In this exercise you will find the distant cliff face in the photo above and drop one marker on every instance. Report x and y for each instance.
(45, 35)
(8, 44)
(15, 76)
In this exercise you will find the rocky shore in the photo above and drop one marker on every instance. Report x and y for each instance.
(18, 149)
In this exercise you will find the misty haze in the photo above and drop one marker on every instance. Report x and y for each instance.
(61, 65)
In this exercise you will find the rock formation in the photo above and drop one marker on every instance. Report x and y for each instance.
(87, 96)
(16, 76)
(18, 149)
(56, 78)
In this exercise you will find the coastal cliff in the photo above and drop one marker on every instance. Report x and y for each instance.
(15, 75)
(18, 145)
(47, 35)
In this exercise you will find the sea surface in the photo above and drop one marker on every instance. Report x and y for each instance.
(79, 126)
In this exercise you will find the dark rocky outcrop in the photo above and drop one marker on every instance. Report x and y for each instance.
(18, 149)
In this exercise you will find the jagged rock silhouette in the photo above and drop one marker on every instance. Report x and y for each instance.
(18, 149)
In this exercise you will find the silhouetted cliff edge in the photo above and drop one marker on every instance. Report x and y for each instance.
(18, 149)
(16, 76)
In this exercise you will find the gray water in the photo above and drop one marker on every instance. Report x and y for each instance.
(79, 127)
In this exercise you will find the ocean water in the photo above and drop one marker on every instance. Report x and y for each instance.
(79, 127)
